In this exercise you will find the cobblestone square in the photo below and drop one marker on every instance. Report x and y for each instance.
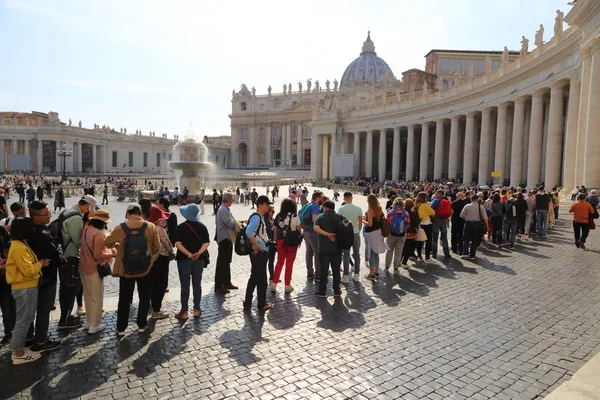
(511, 325)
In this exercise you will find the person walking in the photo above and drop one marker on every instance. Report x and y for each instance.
(94, 252)
(138, 247)
(286, 223)
(511, 215)
(582, 211)
(326, 226)
(475, 217)
(192, 241)
(40, 193)
(352, 213)
(105, 194)
(215, 201)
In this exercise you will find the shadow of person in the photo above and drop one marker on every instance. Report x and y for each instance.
(285, 313)
(423, 277)
(336, 317)
(411, 286)
(358, 299)
(494, 267)
(241, 342)
(385, 290)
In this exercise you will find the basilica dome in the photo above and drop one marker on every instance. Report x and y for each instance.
(367, 67)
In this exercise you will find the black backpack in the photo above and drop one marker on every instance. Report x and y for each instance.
(56, 229)
(344, 234)
(136, 257)
(510, 209)
(243, 246)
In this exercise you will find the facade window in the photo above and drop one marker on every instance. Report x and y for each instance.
(217, 160)
(170, 156)
(131, 159)
(278, 131)
(244, 133)
(307, 130)
(157, 160)
(114, 159)
(145, 160)
(243, 106)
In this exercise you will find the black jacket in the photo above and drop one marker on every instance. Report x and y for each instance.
(44, 247)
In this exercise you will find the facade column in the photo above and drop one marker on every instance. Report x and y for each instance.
(554, 141)
(27, 149)
(586, 65)
(500, 153)
(13, 146)
(2, 156)
(356, 151)
(534, 159)
(334, 146)
(299, 158)
(396, 155)
(591, 170)
(484, 144)
(288, 145)
(424, 163)
(315, 155)
(369, 155)
(94, 166)
(383, 154)
(40, 156)
(269, 150)
(570, 154)
(516, 151)
(58, 164)
(454, 142)
(410, 153)
(469, 148)
(251, 153)
(234, 154)
(438, 161)
(346, 143)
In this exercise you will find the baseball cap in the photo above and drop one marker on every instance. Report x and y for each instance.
(133, 206)
(91, 201)
(263, 199)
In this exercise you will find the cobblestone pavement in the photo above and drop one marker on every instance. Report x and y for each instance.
(511, 325)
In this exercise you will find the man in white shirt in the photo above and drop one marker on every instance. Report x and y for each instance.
(352, 213)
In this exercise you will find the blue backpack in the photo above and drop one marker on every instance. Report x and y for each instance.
(136, 257)
(305, 215)
(399, 222)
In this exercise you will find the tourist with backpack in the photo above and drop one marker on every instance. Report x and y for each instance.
(511, 219)
(138, 246)
(257, 235)
(352, 213)
(326, 226)
(411, 233)
(289, 237)
(308, 214)
(443, 211)
(399, 221)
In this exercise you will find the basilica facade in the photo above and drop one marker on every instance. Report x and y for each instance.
(31, 141)
(527, 117)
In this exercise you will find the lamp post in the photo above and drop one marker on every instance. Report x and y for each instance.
(64, 153)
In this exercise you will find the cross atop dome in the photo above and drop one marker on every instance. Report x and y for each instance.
(368, 45)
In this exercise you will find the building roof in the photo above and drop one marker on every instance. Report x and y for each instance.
(471, 52)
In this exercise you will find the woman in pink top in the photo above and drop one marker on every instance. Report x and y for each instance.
(92, 253)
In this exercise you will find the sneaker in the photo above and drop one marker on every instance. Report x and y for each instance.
(80, 311)
(231, 287)
(465, 257)
(396, 269)
(289, 288)
(182, 315)
(86, 326)
(28, 356)
(356, 277)
(49, 345)
(5, 341)
(420, 259)
(266, 307)
(196, 312)
(346, 279)
(319, 294)
(142, 330)
(430, 261)
(273, 287)
(70, 323)
(512, 247)
(577, 244)
(471, 258)
(95, 329)
(159, 315)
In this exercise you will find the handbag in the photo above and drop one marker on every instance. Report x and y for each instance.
(482, 224)
(421, 235)
(205, 256)
(103, 269)
(292, 238)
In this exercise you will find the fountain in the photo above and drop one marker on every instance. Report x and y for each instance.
(189, 162)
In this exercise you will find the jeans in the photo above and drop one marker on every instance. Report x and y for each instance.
(287, 255)
(458, 226)
(556, 212)
(312, 252)
(439, 226)
(193, 268)
(223, 268)
(69, 287)
(395, 245)
(26, 303)
(160, 282)
(334, 259)
(496, 230)
(510, 228)
(126, 288)
(7, 306)
(257, 280)
(367, 249)
(581, 231)
(472, 238)
(521, 223)
(542, 221)
(355, 256)
(46, 296)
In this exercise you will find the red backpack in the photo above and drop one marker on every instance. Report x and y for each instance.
(444, 209)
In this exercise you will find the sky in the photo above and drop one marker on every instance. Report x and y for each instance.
(164, 66)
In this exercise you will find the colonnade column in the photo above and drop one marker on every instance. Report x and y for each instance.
(554, 140)
(424, 163)
(591, 170)
(334, 151)
(516, 151)
(534, 158)
(40, 155)
(570, 153)
(396, 155)
(94, 161)
(469, 148)
(288, 144)
(13, 146)
(586, 65)
(269, 150)
(2, 155)
(382, 154)
(234, 163)
(251, 153)
(27, 152)
(369, 155)
(438, 161)
(299, 159)
(500, 153)
(410, 153)
(484, 145)
(453, 157)
(356, 151)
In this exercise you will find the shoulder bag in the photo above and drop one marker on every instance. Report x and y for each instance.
(205, 256)
(292, 238)
(103, 269)
(482, 224)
